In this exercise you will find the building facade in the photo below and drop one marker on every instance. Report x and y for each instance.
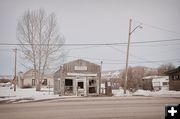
(156, 82)
(79, 77)
(27, 79)
(174, 79)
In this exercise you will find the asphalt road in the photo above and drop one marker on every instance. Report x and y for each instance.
(90, 108)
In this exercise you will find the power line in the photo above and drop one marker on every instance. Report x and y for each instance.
(95, 44)
(156, 45)
(157, 27)
(156, 41)
(100, 59)
(78, 44)
(82, 48)
(137, 62)
(129, 54)
(93, 58)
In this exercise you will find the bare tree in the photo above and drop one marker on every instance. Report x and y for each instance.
(135, 75)
(164, 68)
(37, 33)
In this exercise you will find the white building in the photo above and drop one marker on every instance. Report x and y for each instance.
(27, 79)
(159, 82)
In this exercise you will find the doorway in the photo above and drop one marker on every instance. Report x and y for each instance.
(68, 87)
(81, 86)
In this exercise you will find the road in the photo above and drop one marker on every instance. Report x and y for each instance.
(90, 108)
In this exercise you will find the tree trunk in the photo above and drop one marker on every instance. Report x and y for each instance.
(38, 86)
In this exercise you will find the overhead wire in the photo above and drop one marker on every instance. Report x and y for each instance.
(157, 27)
(94, 44)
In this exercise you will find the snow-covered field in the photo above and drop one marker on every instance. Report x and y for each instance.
(161, 93)
(25, 95)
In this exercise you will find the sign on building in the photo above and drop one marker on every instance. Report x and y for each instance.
(80, 68)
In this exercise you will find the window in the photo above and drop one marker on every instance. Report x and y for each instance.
(33, 82)
(92, 85)
(175, 77)
(33, 73)
(165, 83)
(92, 82)
(68, 82)
(81, 85)
(44, 82)
(92, 90)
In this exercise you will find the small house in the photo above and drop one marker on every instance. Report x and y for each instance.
(174, 79)
(27, 79)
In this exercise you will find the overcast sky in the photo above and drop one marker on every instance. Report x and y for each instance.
(101, 21)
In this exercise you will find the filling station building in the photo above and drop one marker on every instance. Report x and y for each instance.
(78, 77)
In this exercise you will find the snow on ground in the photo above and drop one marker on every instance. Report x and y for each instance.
(7, 94)
(25, 95)
(120, 92)
(161, 93)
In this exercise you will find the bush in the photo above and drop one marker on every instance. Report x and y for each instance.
(4, 80)
(27, 86)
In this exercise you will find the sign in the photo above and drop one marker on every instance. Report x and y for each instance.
(80, 68)
(80, 74)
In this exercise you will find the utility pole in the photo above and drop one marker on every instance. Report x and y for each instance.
(127, 56)
(100, 78)
(15, 78)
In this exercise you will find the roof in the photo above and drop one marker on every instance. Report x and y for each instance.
(80, 60)
(154, 77)
(173, 71)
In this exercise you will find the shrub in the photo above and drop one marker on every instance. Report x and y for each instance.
(4, 80)
(27, 86)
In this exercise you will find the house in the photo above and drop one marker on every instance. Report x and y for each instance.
(78, 77)
(174, 79)
(27, 79)
(158, 82)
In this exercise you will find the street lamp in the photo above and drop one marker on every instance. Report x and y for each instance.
(127, 55)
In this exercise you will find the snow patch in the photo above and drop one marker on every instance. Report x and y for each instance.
(161, 93)
(25, 95)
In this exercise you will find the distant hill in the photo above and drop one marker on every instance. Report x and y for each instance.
(10, 77)
(117, 73)
(111, 74)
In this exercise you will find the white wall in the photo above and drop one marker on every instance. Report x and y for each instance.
(158, 81)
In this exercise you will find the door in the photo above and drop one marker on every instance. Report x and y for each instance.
(21, 83)
(81, 86)
(33, 82)
(68, 87)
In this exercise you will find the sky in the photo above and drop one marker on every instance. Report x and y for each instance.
(101, 21)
